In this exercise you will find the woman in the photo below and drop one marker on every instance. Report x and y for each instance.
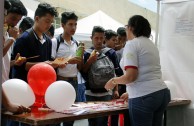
(148, 96)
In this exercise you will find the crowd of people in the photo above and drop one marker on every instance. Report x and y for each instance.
(127, 57)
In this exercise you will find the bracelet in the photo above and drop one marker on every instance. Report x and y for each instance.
(113, 81)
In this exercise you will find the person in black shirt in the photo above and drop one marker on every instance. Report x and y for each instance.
(34, 42)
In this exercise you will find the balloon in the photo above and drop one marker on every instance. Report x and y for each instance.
(19, 92)
(60, 95)
(40, 76)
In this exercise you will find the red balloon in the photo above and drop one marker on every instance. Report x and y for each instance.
(40, 76)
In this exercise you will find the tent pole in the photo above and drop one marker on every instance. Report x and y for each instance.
(157, 22)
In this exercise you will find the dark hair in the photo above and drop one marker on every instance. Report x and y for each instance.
(52, 30)
(65, 16)
(7, 4)
(26, 23)
(45, 8)
(17, 7)
(109, 34)
(140, 26)
(97, 29)
(121, 31)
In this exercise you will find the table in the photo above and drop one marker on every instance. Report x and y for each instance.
(175, 103)
(41, 118)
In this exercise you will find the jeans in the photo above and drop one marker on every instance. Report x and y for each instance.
(148, 110)
(100, 121)
(81, 92)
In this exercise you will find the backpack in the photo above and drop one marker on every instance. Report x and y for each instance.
(100, 72)
(59, 40)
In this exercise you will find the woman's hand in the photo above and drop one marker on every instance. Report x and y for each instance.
(109, 85)
(124, 96)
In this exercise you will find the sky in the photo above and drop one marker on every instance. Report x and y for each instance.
(149, 4)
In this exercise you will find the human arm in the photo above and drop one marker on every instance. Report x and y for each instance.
(7, 45)
(130, 76)
(13, 35)
(13, 107)
(124, 96)
(19, 60)
(88, 60)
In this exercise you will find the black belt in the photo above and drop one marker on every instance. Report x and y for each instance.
(66, 78)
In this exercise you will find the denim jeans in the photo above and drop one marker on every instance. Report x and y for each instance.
(148, 110)
(100, 121)
(81, 92)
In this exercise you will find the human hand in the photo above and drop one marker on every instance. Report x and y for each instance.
(93, 56)
(109, 85)
(74, 60)
(17, 109)
(53, 64)
(115, 95)
(19, 60)
(13, 32)
(124, 96)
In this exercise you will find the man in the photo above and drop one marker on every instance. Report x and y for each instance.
(98, 38)
(122, 38)
(64, 46)
(34, 42)
(8, 42)
(110, 38)
(13, 16)
(51, 32)
(26, 23)
(14, 10)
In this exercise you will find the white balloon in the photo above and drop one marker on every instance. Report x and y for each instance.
(60, 95)
(19, 92)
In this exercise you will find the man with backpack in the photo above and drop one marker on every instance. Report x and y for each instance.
(65, 46)
(100, 63)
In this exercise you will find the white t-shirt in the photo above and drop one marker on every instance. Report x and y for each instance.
(6, 62)
(143, 54)
(5, 67)
(65, 50)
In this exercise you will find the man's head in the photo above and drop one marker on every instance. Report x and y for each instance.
(7, 5)
(98, 37)
(26, 23)
(51, 32)
(69, 22)
(44, 17)
(110, 38)
(122, 37)
(15, 12)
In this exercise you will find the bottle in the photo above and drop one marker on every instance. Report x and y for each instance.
(80, 50)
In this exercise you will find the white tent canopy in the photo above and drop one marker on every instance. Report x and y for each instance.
(85, 25)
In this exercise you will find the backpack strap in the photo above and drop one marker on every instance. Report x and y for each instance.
(105, 50)
(59, 40)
